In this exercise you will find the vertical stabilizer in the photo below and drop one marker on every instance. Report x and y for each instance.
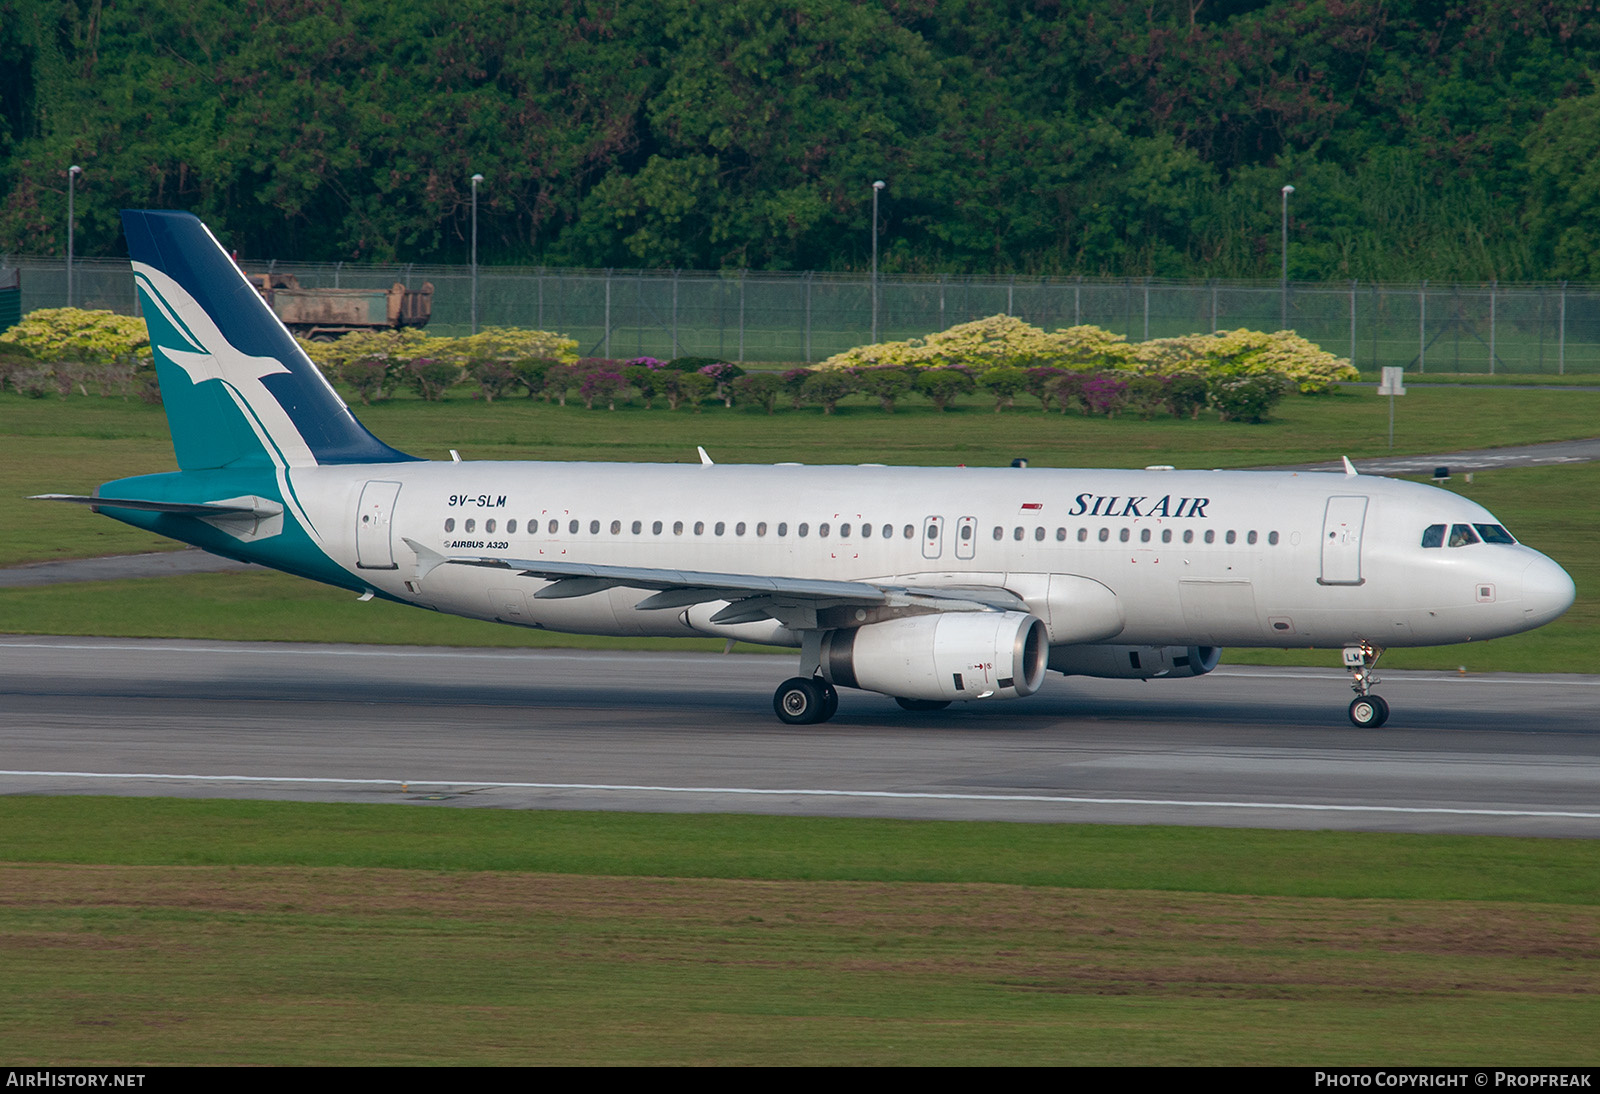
(239, 392)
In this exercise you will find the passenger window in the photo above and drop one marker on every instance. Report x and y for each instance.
(1166, 535)
(738, 529)
(802, 530)
(1038, 535)
(1461, 535)
(783, 528)
(488, 526)
(1188, 535)
(677, 527)
(1061, 535)
(822, 530)
(450, 524)
(511, 527)
(616, 527)
(655, 528)
(1493, 533)
(1250, 537)
(1124, 535)
(1272, 539)
(594, 528)
(1083, 535)
(1211, 535)
(1105, 534)
(1144, 535)
(866, 531)
(699, 527)
(555, 526)
(911, 531)
(637, 527)
(471, 524)
(1433, 536)
(572, 528)
(844, 531)
(1232, 535)
(761, 528)
(966, 531)
(888, 531)
(720, 528)
(1016, 534)
(999, 533)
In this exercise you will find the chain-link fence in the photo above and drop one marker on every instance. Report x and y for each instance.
(806, 317)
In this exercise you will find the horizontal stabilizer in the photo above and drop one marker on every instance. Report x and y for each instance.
(180, 508)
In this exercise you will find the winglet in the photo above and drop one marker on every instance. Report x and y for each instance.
(1349, 468)
(705, 460)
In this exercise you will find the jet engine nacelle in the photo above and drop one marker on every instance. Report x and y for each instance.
(944, 657)
(1135, 662)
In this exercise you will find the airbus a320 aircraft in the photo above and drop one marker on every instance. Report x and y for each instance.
(929, 585)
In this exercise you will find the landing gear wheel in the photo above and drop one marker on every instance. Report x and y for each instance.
(922, 704)
(830, 699)
(802, 702)
(1369, 711)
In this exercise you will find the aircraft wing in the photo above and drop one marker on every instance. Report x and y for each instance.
(793, 601)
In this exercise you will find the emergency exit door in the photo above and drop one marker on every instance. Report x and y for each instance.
(374, 524)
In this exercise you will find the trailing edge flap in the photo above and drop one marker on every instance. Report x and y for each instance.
(179, 508)
(681, 588)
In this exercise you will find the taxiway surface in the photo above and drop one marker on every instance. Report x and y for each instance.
(1505, 754)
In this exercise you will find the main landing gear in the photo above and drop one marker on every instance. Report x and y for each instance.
(802, 702)
(1367, 711)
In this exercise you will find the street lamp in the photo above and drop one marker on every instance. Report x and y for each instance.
(876, 188)
(72, 187)
(475, 180)
(1283, 317)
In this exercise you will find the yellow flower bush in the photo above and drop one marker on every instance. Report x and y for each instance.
(1007, 340)
(78, 334)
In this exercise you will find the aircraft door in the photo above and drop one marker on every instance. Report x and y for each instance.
(966, 536)
(932, 537)
(1341, 541)
(374, 522)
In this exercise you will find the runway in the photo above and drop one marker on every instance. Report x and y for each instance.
(1503, 754)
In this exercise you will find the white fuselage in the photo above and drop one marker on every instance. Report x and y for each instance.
(1186, 557)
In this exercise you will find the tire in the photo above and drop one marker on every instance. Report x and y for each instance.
(1369, 712)
(922, 705)
(799, 702)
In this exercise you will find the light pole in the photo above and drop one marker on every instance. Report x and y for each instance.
(1283, 316)
(475, 180)
(876, 188)
(72, 187)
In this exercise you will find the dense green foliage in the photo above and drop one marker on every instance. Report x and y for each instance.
(1425, 138)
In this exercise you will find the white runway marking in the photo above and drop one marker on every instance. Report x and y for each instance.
(1048, 799)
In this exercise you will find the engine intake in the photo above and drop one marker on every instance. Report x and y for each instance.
(949, 656)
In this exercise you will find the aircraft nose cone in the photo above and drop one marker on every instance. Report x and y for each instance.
(1547, 591)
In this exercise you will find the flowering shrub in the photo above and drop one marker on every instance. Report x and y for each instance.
(600, 384)
(1006, 341)
(1104, 393)
(1247, 353)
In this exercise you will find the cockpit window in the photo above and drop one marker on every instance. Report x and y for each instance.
(1493, 533)
(1462, 535)
(1433, 536)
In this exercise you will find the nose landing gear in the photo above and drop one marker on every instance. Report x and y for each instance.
(1367, 711)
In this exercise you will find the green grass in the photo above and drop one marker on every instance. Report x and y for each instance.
(72, 445)
(152, 932)
(182, 832)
